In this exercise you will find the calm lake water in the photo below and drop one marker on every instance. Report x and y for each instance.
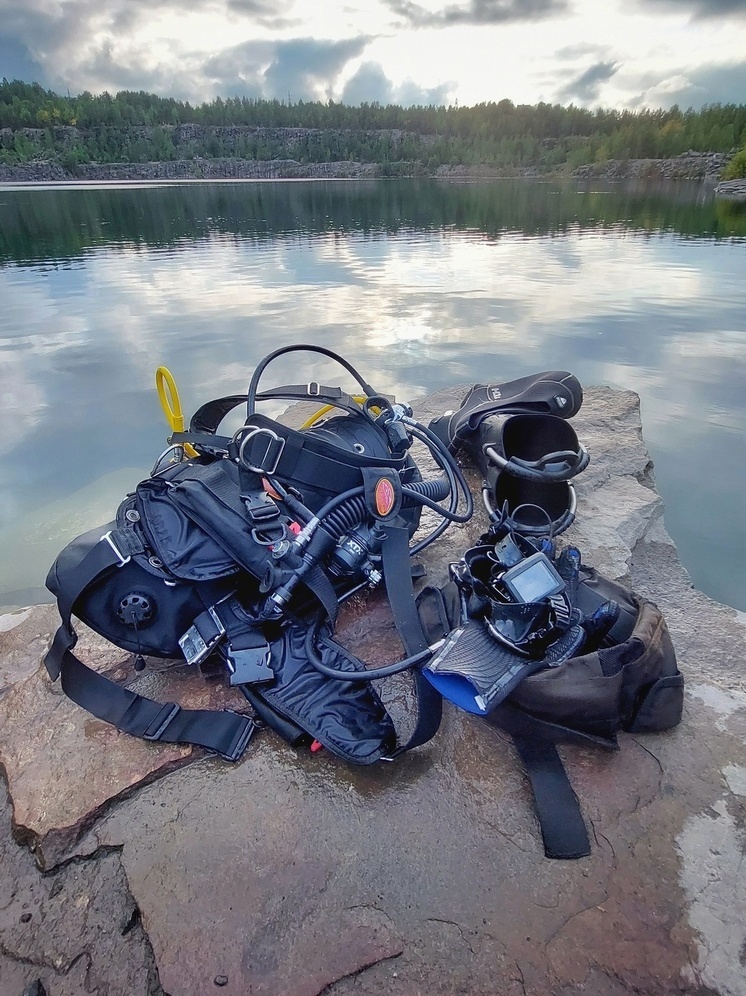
(420, 284)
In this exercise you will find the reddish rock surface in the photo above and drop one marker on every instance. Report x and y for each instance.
(291, 873)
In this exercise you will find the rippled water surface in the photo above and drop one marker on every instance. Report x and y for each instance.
(420, 284)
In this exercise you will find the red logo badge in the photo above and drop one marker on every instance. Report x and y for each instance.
(385, 497)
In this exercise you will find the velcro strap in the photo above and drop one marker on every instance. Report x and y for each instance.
(223, 732)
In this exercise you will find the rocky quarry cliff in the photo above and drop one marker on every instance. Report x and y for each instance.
(131, 868)
(213, 152)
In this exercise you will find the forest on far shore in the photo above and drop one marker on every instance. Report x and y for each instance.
(136, 127)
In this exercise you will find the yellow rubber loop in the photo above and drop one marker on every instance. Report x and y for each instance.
(360, 398)
(168, 395)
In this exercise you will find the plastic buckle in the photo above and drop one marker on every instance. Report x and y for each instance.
(122, 559)
(275, 446)
(168, 711)
(250, 666)
(242, 742)
(261, 508)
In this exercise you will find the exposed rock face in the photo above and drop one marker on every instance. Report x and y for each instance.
(291, 873)
(688, 166)
(732, 190)
(188, 169)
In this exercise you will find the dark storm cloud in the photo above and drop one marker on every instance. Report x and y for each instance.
(724, 84)
(478, 12)
(75, 43)
(700, 8)
(17, 63)
(370, 84)
(587, 85)
(304, 68)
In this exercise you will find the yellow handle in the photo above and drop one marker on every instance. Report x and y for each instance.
(168, 395)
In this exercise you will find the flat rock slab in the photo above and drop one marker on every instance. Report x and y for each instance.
(291, 873)
(63, 766)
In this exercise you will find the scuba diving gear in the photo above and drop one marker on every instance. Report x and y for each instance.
(552, 392)
(237, 551)
(168, 395)
(528, 460)
(518, 437)
(222, 554)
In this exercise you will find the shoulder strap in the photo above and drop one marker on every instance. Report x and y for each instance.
(397, 572)
(224, 732)
(208, 417)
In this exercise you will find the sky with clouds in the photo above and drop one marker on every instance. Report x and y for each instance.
(610, 53)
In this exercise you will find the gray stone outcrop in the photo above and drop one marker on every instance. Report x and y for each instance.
(293, 874)
(687, 166)
(734, 190)
(187, 169)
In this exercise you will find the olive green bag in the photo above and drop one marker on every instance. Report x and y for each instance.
(631, 684)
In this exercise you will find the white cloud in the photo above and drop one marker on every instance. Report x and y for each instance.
(465, 50)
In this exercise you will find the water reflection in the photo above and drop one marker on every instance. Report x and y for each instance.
(421, 284)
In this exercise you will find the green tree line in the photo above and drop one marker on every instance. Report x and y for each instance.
(139, 127)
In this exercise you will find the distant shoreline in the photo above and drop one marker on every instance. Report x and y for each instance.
(688, 166)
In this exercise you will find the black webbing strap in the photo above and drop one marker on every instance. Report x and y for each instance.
(311, 392)
(319, 584)
(314, 462)
(226, 733)
(557, 808)
(397, 572)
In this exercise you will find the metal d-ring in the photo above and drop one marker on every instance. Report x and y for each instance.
(260, 430)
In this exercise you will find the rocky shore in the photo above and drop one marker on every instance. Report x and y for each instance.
(734, 190)
(160, 870)
(688, 166)
(186, 169)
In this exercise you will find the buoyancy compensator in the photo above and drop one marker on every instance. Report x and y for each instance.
(241, 547)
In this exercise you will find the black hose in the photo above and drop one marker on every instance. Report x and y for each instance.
(437, 489)
(369, 674)
(300, 347)
(448, 465)
(346, 517)
(354, 510)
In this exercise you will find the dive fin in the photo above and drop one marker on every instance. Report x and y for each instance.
(518, 435)
(552, 392)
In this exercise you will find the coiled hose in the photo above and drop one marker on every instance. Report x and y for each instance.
(354, 510)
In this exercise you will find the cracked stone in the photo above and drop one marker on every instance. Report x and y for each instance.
(60, 934)
(294, 874)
